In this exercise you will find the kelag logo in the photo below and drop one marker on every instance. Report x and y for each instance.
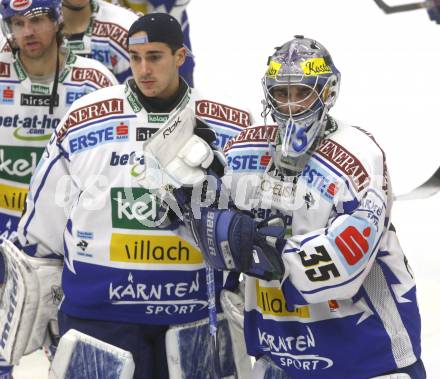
(132, 208)
(18, 163)
(106, 133)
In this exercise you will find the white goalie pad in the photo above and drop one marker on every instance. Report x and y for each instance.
(233, 307)
(265, 368)
(81, 356)
(190, 353)
(29, 301)
(174, 155)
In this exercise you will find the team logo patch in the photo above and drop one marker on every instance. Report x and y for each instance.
(20, 5)
(345, 161)
(248, 162)
(315, 66)
(105, 56)
(354, 243)
(257, 134)
(133, 208)
(273, 69)
(38, 100)
(13, 198)
(112, 31)
(73, 95)
(153, 250)
(5, 70)
(91, 75)
(222, 112)
(90, 138)
(271, 301)
(7, 93)
(40, 89)
(142, 134)
(157, 118)
(325, 184)
(17, 163)
(91, 112)
(84, 234)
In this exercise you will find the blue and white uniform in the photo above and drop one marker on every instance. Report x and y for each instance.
(26, 125)
(346, 307)
(117, 266)
(106, 38)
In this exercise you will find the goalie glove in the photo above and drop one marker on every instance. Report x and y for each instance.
(177, 154)
(231, 240)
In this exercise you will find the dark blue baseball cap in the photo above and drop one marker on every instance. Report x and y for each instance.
(159, 27)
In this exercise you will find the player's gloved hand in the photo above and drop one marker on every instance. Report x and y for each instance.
(179, 153)
(232, 240)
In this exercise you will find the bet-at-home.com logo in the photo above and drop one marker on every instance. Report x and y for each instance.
(133, 208)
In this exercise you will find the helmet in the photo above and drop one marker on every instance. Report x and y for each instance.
(300, 85)
(9, 8)
(29, 8)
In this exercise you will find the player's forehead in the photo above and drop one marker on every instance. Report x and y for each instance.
(29, 17)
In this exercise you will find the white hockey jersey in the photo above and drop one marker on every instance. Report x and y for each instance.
(86, 204)
(26, 125)
(346, 307)
(106, 38)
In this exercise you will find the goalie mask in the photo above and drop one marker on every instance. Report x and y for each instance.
(300, 86)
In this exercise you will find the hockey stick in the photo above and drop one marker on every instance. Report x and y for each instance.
(425, 190)
(173, 134)
(388, 9)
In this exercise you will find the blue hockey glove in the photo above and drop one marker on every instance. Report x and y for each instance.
(231, 240)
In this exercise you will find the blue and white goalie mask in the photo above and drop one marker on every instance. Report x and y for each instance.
(300, 85)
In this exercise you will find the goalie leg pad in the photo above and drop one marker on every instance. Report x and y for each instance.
(265, 368)
(187, 346)
(81, 356)
(30, 300)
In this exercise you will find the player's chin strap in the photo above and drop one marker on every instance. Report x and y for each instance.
(29, 301)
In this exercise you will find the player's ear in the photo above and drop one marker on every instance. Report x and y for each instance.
(180, 56)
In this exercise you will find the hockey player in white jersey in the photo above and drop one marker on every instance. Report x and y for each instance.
(97, 29)
(329, 292)
(131, 271)
(177, 9)
(38, 83)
